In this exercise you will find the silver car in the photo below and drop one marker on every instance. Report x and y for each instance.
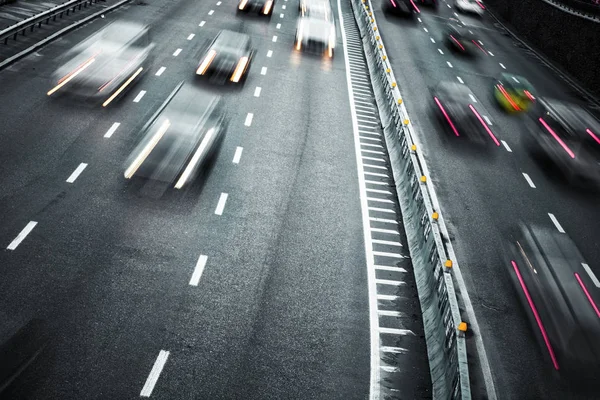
(316, 31)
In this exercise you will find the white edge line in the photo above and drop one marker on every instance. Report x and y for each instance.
(373, 315)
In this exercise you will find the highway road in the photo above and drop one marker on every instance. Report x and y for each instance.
(485, 191)
(251, 284)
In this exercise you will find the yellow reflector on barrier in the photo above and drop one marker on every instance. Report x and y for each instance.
(374, 28)
(381, 46)
(399, 101)
(387, 70)
(377, 37)
(393, 84)
(413, 147)
(372, 19)
(435, 216)
(405, 122)
(448, 264)
(384, 58)
(370, 14)
(462, 327)
(423, 178)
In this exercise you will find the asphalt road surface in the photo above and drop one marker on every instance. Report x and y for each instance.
(251, 284)
(485, 191)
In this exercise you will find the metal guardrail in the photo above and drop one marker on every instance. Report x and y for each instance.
(51, 14)
(444, 327)
(578, 8)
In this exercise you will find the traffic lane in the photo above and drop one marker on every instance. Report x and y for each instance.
(278, 147)
(462, 176)
(554, 193)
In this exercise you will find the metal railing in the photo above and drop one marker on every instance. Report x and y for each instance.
(579, 8)
(432, 263)
(43, 17)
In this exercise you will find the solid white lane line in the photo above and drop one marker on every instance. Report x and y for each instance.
(487, 120)
(191, 36)
(198, 270)
(387, 242)
(269, 53)
(506, 146)
(386, 221)
(386, 230)
(263, 71)
(389, 268)
(449, 64)
(432, 40)
(502, 65)
(76, 173)
(393, 331)
(155, 373)
(176, 53)
(380, 200)
(257, 91)
(139, 96)
(248, 121)
(528, 179)
(555, 221)
(389, 313)
(460, 79)
(211, 12)
(202, 23)
(278, 26)
(387, 297)
(385, 210)
(221, 204)
(112, 130)
(440, 50)
(21, 236)
(377, 183)
(237, 155)
(591, 274)
(160, 71)
(274, 38)
(473, 98)
(388, 282)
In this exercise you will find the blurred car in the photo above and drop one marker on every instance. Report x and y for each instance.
(316, 31)
(461, 38)
(305, 5)
(179, 138)
(456, 103)
(401, 7)
(568, 136)
(559, 297)
(514, 93)
(104, 66)
(229, 56)
(429, 3)
(262, 7)
(469, 6)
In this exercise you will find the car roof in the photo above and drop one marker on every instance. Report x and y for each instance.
(191, 103)
(454, 90)
(231, 39)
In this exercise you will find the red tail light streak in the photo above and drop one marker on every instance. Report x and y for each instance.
(559, 140)
(488, 130)
(446, 115)
(587, 294)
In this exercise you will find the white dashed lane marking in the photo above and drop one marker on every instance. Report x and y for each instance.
(274, 38)
(502, 65)
(528, 179)
(278, 26)
(160, 71)
(191, 36)
(202, 23)
(460, 79)
(159, 364)
(491, 54)
(263, 71)
(176, 53)
(440, 50)
(506, 146)
(432, 40)
(248, 121)
(76, 173)
(211, 12)
(238, 155)
(280, 15)
(591, 274)
(269, 53)
(556, 223)
(218, 3)
(449, 64)
(198, 270)
(221, 204)
(21, 236)
(112, 130)
(425, 29)
(283, 7)
(487, 120)
(139, 96)
(257, 91)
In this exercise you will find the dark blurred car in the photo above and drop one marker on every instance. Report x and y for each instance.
(405, 8)
(429, 3)
(262, 7)
(456, 103)
(559, 297)
(470, 6)
(104, 66)
(229, 56)
(180, 138)
(316, 31)
(514, 93)
(461, 38)
(568, 136)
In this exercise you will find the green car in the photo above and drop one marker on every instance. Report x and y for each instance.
(514, 93)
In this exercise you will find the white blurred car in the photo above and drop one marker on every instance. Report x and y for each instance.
(469, 6)
(316, 31)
